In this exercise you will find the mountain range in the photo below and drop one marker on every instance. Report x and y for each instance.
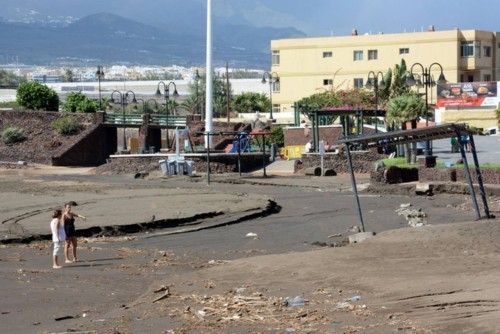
(34, 37)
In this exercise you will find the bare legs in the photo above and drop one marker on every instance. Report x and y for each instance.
(71, 241)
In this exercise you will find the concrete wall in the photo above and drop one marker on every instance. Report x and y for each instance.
(92, 150)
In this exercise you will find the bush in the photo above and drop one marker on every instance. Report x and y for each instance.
(12, 135)
(251, 102)
(36, 96)
(66, 126)
(277, 136)
(78, 102)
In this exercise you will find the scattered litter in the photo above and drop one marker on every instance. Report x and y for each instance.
(405, 205)
(67, 317)
(36, 323)
(201, 314)
(355, 298)
(354, 229)
(239, 291)
(161, 289)
(252, 235)
(414, 217)
(336, 235)
(344, 306)
(215, 262)
(164, 296)
(294, 302)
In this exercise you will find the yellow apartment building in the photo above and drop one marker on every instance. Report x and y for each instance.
(305, 66)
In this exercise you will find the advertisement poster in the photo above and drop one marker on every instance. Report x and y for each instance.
(468, 94)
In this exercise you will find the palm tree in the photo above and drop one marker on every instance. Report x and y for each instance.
(402, 109)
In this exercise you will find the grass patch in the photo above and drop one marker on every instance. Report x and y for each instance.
(401, 163)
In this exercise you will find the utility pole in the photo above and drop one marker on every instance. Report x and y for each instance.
(209, 77)
(228, 95)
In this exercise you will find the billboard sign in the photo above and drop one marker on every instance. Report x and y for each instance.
(468, 94)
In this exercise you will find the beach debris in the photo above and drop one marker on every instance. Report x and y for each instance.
(166, 294)
(355, 298)
(251, 235)
(294, 302)
(414, 217)
(354, 229)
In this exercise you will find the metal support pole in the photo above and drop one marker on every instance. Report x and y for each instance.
(479, 177)
(208, 160)
(376, 106)
(167, 120)
(124, 129)
(239, 154)
(316, 132)
(264, 155)
(468, 177)
(354, 187)
(427, 82)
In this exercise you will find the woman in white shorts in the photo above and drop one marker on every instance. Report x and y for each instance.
(58, 237)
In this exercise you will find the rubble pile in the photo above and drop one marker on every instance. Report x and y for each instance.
(414, 217)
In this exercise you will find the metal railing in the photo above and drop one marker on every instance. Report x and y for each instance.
(168, 120)
(120, 119)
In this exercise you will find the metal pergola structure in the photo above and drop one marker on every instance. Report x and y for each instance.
(238, 135)
(418, 135)
(319, 116)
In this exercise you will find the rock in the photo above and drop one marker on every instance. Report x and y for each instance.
(141, 175)
(360, 237)
(424, 189)
(405, 205)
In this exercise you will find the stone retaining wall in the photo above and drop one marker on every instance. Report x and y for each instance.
(490, 175)
(362, 161)
(218, 164)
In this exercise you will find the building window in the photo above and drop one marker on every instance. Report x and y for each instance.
(372, 54)
(358, 55)
(276, 108)
(276, 57)
(462, 78)
(470, 78)
(467, 49)
(487, 51)
(276, 86)
(327, 82)
(487, 77)
(358, 82)
(404, 51)
(327, 54)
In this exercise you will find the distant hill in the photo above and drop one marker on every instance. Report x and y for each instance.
(107, 38)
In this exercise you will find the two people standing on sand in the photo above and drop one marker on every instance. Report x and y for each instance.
(64, 232)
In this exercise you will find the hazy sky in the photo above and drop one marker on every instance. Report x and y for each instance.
(314, 17)
(324, 16)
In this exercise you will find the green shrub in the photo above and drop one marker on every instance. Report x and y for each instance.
(36, 96)
(277, 136)
(78, 102)
(66, 126)
(12, 135)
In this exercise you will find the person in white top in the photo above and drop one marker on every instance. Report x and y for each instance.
(58, 237)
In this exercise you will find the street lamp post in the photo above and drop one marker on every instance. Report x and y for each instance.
(123, 101)
(166, 94)
(373, 82)
(197, 83)
(425, 79)
(100, 75)
(273, 79)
